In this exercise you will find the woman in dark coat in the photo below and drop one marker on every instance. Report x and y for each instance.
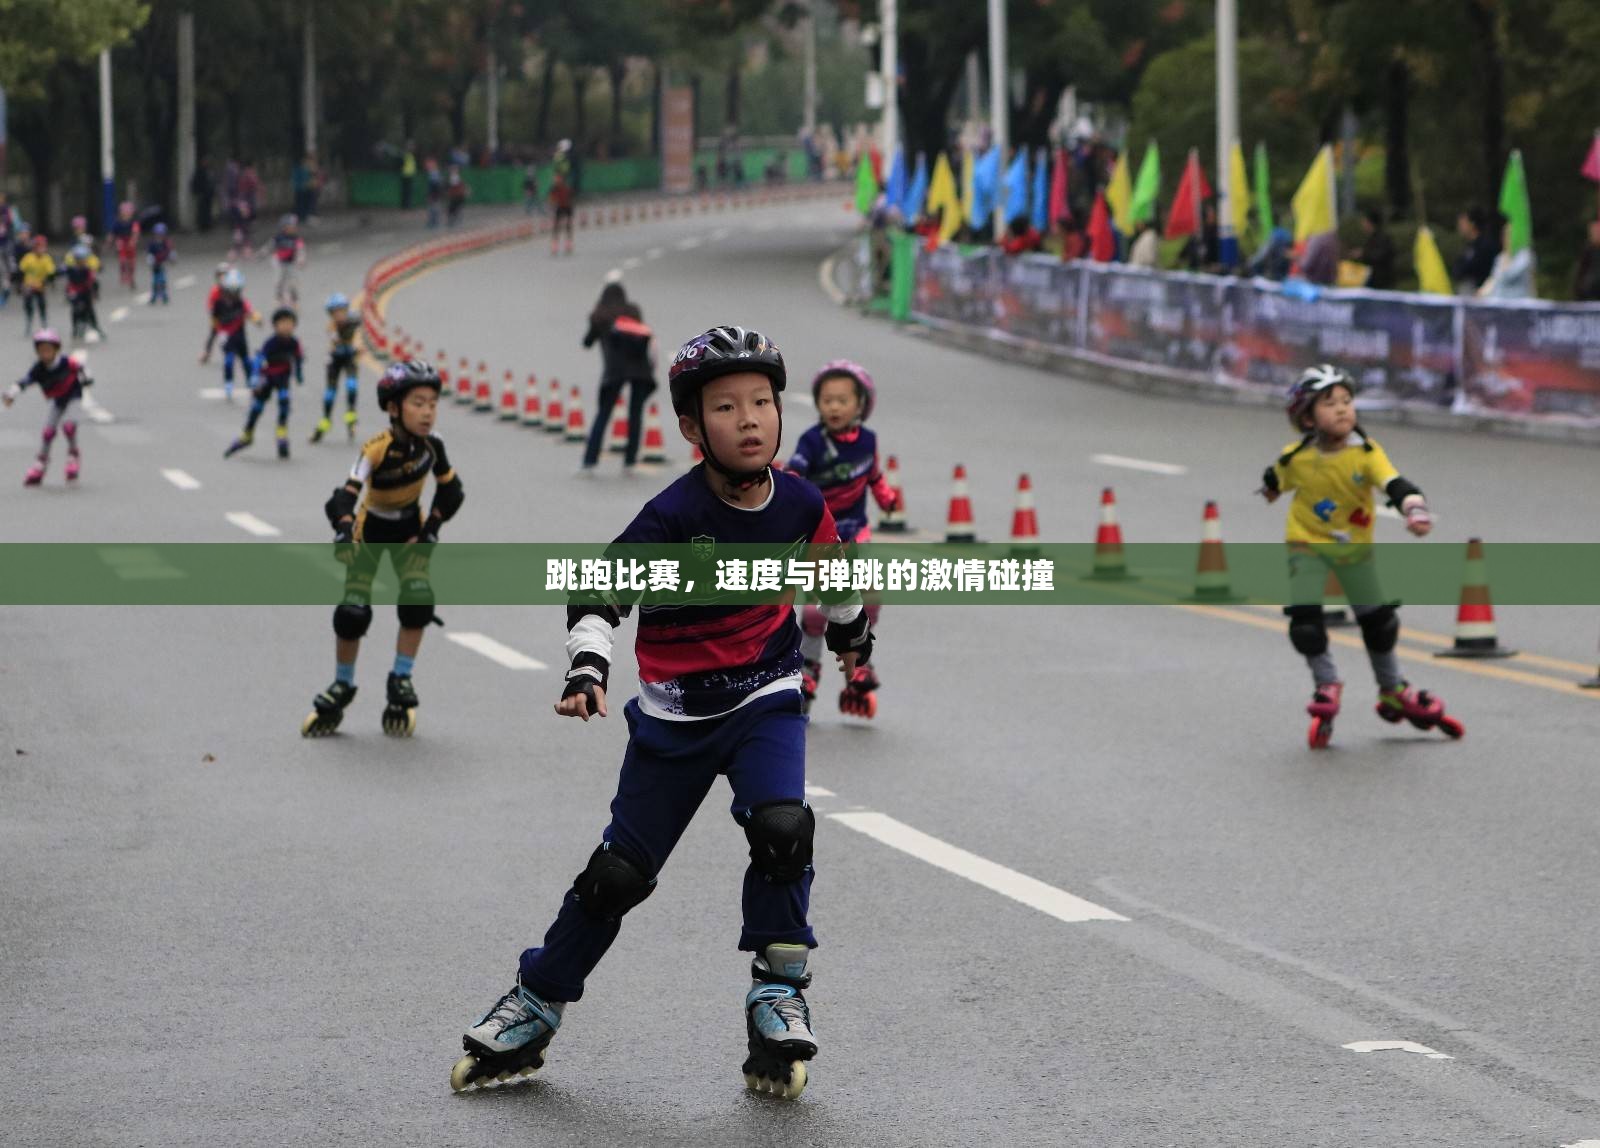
(628, 357)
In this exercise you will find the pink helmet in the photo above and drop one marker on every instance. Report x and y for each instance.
(80, 223)
(845, 369)
(46, 335)
(125, 208)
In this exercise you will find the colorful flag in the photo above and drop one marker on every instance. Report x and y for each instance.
(1147, 188)
(1017, 186)
(1119, 194)
(1238, 191)
(986, 187)
(1591, 163)
(1263, 194)
(1102, 244)
(1431, 273)
(1059, 209)
(895, 191)
(866, 187)
(1041, 191)
(917, 195)
(1313, 202)
(1514, 205)
(1193, 190)
(942, 196)
(969, 193)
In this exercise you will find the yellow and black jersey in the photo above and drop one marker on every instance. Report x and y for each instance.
(1335, 492)
(394, 471)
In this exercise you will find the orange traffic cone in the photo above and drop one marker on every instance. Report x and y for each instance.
(655, 443)
(1024, 522)
(464, 382)
(618, 442)
(1475, 629)
(555, 420)
(1211, 568)
(893, 520)
(576, 431)
(1109, 562)
(531, 415)
(959, 525)
(484, 399)
(508, 399)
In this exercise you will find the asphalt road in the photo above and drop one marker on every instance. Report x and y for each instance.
(211, 928)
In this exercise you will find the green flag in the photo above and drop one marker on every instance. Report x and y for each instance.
(1263, 194)
(866, 186)
(1147, 188)
(1514, 205)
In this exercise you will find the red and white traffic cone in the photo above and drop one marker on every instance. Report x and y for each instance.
(576, 430)
(532, 416)
(1211, 582)
(1475, 628)
(654, 448)
(959, 526)
(618, 442)
(1109, 562)
(464, 382)
(509, 407)
(484, 398)
(1024, 519)
(893, 520)
(555, 418)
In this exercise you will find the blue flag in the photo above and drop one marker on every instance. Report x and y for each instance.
(895, 192)
(1041, 192)
(1017, 186)
(911, 206)
(985, 187)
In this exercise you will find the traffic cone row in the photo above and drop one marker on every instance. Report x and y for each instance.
(1476, 636)
(893, 520)
(531, 414)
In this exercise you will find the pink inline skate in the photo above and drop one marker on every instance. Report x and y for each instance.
(1418, 707)
(35, 473)
(859, 696)
(1323, 708)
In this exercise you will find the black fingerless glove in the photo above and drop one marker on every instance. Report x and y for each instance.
(851, 637)
(588, 671)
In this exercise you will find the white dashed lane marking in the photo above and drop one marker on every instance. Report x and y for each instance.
(1171, 469)
(119, 314)
(181, 479)
(249, 523)
(495, 651)
(183, 282)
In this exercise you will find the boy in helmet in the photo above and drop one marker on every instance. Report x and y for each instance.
(160, 254)
(229, 311)
(1335, 472)
(82, 268)
(719, 693)
(343, 361)
(840, 455)
(393, 468)
(218, 273)
(279, 360)
(61, 379)
(289, 252)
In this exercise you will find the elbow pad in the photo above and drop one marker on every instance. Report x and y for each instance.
(1269, 478)
(851, 637)
(447, 499)
(341, 505)
(612, 614)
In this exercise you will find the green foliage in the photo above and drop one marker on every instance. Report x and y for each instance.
(41, 34)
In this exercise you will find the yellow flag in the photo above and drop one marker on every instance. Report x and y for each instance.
(969, 193)
(1313, 202)
(1239, 191)
(1119, 193)
(942, 195)
(1431, 273)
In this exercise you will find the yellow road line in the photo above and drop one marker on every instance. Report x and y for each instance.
(1482, 669)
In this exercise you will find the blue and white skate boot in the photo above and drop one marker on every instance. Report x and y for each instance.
(778, 1021)
(507, 1041)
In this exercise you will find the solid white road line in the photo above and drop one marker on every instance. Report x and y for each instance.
(494, 651)
(181, 479)
(1168, 468)
(184, 282)
(119, 314)
(1057, 903)
(248, 522)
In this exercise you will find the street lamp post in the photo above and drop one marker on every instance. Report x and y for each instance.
(108, 168)
(1227, 126)
(999, 98)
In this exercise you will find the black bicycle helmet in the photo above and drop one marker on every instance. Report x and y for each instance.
(725, 350)
(403, 377)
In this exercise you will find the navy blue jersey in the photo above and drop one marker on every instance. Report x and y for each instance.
(280, 358)
(160, 251)
(705, 661)
(844, 467)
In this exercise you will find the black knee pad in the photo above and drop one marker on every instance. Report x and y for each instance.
(351, 622)
(1308, 633)
(611, 884)
(1380, 629)
(414, 616)
(780, 839)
